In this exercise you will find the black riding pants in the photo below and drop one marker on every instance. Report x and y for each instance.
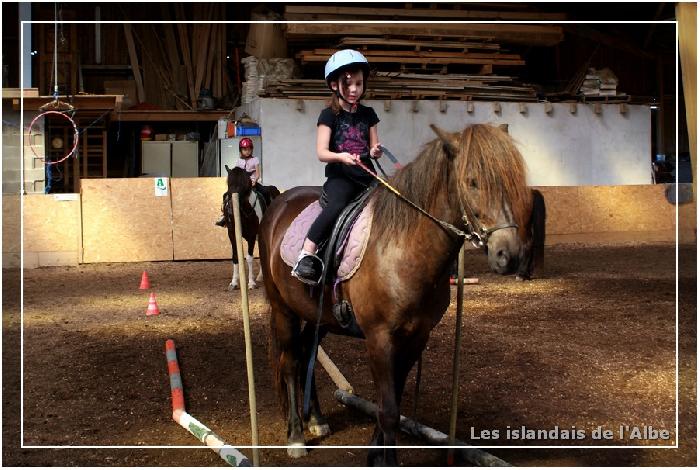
(339, 191)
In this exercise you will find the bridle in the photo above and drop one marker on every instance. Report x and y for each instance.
(473, 231)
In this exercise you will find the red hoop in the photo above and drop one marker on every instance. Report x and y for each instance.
(76, 136)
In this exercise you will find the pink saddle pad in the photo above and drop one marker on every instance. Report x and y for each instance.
(354, 246)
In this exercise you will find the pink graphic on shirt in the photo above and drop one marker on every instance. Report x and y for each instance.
(353, 140)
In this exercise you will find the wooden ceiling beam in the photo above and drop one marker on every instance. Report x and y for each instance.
(537, 35)
(293, 12)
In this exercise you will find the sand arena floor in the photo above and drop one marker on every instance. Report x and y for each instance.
(589, 343)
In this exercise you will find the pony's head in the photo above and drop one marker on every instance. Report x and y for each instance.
(238, 181)
(489, 188)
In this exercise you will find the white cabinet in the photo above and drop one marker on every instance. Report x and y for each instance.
(185, 159)
(170, 159)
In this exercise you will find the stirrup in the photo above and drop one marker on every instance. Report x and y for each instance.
(317, 267)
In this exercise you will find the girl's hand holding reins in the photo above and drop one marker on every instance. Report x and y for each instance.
(376, 151)
(348, 158)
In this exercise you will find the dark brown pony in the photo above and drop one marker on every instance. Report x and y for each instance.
(532, 249)
(401, 289)
(239, 182)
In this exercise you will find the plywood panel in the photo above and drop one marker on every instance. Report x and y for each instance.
(600, 209)
(51, 230)
(561, 218)
(51, 223)
(123, 220)
(196, 206)
(10, 224)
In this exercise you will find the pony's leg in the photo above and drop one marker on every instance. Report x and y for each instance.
(286, 328)
(251, 276)
(382, 364)
(234, 278)
(405, 358)
(259, 278)
(234, 260)
(317, 424)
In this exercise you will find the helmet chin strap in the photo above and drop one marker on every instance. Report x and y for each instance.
(353, 106)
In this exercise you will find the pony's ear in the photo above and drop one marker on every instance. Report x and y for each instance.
(228, 170)
(503, 127)
(447, 142)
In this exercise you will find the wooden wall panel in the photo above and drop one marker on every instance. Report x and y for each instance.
(615, 214)
(196, 206)
(10, 230)
(51, 230)
(51, 223)
(124, 221)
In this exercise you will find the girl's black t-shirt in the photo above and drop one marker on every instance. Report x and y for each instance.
(350, 133)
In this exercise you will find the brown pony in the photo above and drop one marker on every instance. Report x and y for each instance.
(474, 180)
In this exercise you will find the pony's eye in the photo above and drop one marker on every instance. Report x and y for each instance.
(472, 184)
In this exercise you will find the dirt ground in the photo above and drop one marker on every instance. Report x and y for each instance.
(588, 344)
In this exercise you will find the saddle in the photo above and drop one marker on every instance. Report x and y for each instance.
(342, 252)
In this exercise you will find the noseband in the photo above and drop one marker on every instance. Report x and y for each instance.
(474, 232)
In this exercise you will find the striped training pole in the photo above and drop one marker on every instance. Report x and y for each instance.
(205, 435)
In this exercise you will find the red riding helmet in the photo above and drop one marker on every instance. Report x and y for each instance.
(245, 143)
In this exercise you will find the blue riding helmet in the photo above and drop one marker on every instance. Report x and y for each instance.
(342, 60)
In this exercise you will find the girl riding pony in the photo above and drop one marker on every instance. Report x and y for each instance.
(346, 134)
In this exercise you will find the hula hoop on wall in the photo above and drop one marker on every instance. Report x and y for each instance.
(76, 136)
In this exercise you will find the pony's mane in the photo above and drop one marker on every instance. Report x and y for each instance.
(485, 151)
(238, 181)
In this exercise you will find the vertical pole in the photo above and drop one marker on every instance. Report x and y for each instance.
(246, 329)
(455, 357)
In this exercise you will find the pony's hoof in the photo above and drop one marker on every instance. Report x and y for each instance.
(297, 450)
(319, 430)
(252, 286)
(232, 286)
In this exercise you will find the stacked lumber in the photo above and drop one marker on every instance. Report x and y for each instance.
(402, 70)
(398, 85)
(418, 52)
(423, 58)
(599, 83)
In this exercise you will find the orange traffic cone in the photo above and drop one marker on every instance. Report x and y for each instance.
(152, 305)
(145, 283)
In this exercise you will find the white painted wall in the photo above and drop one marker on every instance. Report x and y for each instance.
(560, 148)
